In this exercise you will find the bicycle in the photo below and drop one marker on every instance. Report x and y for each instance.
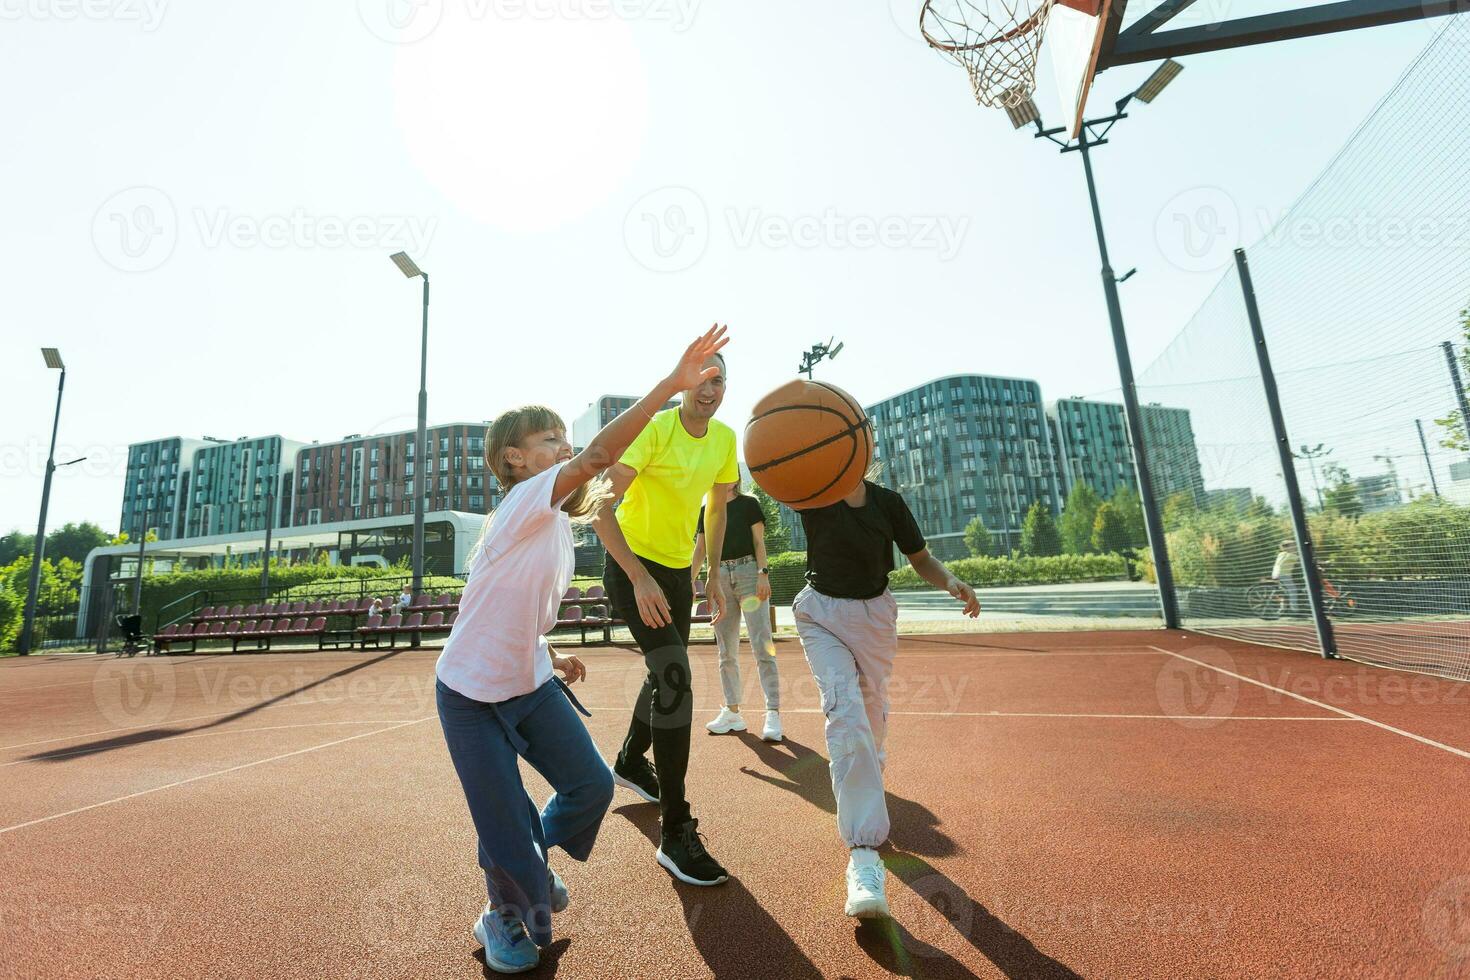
(1267, 599)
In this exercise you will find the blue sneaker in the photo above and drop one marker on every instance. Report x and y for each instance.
(560, 898)
(507, 947)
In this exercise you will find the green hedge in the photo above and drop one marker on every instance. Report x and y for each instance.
(1051, 570)
(788, 572)
(1428, 538)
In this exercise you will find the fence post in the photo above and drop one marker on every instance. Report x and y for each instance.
(1449, 357)
(1303, 535)
(1428, 463)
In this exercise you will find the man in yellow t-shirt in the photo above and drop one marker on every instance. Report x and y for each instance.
(683, 459)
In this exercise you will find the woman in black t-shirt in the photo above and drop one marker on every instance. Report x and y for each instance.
(848, 622)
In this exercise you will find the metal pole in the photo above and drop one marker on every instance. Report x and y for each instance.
(1449, 357)
(1304, 547)
(424, 455)
(138, 582)
(33, 591)
(1163, 571)
(1424, 446)
(265, 565)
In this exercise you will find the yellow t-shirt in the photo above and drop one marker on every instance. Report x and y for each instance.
(675, 473)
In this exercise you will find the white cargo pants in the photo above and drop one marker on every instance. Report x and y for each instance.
(850, 645)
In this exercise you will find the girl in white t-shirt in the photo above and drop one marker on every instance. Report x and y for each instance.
(498, 698)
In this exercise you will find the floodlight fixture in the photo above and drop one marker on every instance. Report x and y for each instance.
(1155, 83)
(406, 265)
(53, 358)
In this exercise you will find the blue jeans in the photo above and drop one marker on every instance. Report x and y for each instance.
(486, 742)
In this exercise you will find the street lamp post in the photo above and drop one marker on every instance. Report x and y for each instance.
(1311, 454)
(1025, 113)
(407, 266)
(53, 361)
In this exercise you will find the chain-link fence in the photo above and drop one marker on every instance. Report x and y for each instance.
(1363, 288)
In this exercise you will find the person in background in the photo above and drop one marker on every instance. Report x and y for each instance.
(1285, 572)
(746, 582)
(405, 599)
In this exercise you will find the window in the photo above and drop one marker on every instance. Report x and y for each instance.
(357, 478)
(1033, 458)
(916, 467)
(443, 483)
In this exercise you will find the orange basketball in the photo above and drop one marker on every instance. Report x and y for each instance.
(808, 444)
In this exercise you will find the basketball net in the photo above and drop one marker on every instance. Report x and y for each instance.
(997, 41)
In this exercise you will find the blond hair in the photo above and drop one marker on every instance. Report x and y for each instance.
(509, 430)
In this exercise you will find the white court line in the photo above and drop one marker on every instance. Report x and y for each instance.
(254, 706)
(222, 731)
(207, 775)
(1324, 705)
(42, 687)
(1035, 714)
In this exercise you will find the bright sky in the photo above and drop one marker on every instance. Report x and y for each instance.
(201, 198)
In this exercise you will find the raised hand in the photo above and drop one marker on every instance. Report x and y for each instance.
(690, 371)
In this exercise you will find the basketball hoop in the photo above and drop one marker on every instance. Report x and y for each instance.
(997, 41)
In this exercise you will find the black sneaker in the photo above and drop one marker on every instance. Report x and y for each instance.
(638, 776)
(683, 855)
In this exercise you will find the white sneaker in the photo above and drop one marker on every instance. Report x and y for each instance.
(865, 878)
(772, 731)
(726, 721)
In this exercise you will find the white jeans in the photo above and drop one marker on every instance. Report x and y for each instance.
(850, 645)
(738, 583)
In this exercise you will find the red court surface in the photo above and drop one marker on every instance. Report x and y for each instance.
(1095, 804)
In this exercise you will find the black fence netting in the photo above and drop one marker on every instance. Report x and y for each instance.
(1363, 288)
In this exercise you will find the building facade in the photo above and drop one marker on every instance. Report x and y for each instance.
(967, 446)
(1090, 439)
(233, 486)
(599, 414)
(362, 477)
(156, 487)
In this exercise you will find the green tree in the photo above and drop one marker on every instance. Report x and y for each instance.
(1129, 504)
(778, 535)
(15, 545)
(11, 607)
(1180, 508)
(75, 541)
(1110, 530)
(1452, 426)
(1039, 537)
(1075, 524)
(1341, 495)
(978, 539)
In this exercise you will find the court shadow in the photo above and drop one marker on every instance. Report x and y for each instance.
(154, 734)
(913, 826)
(1004, 947)
(735, 936)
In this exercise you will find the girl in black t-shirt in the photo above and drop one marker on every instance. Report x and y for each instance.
(848, 622)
